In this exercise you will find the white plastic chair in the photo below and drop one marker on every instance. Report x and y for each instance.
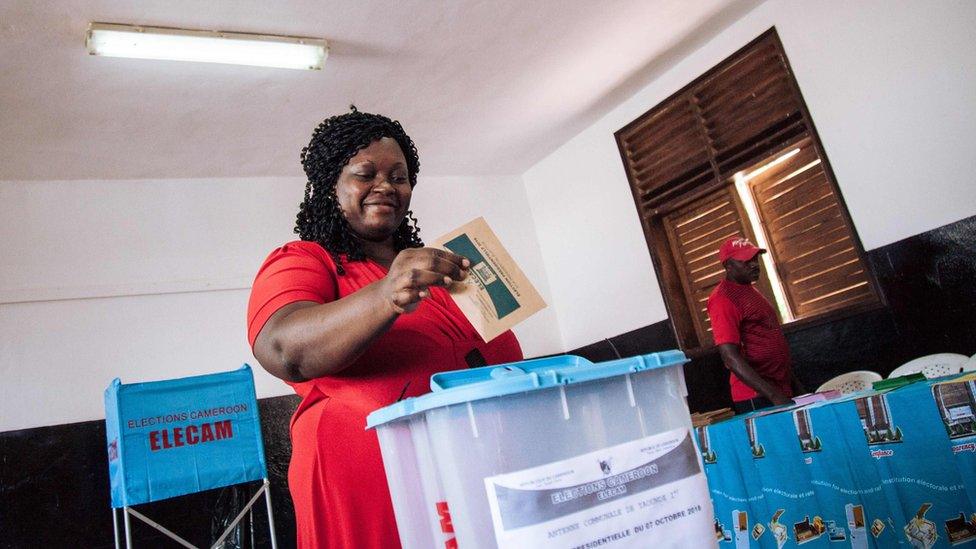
(851, 382)
(937, 365)
(969, 365)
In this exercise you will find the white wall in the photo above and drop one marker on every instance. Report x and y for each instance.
(137, 279)
(891, 87)
(72, 239)
(150, 279)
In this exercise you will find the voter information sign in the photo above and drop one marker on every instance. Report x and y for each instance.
(181, 436)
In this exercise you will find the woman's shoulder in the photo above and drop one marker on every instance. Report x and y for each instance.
(303, 252)
(303, 246)
(313, 256)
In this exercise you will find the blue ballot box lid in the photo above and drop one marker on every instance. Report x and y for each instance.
(181, 436)
(475, 384)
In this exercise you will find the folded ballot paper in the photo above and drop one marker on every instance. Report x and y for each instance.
(496, 295)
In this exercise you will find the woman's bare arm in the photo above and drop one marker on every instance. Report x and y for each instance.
(305, 340)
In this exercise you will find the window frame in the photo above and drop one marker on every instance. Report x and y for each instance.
(655, 232)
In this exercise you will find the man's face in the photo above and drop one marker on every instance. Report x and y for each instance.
(743, 272)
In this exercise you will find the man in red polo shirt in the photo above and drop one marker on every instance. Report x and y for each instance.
(748, 334)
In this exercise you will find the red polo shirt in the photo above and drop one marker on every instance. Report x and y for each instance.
(741, 316)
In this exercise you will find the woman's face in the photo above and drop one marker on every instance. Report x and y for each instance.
(373, 190)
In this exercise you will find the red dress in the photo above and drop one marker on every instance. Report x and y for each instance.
(336, 475)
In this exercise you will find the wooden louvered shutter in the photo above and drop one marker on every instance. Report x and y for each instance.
(682, 158)
(665, 154)
(696, 231)
(811, 238)
(749, 107)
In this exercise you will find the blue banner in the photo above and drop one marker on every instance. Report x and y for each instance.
(889, 468)
(734, 485)
(853, 506)
(181, 436)
(906, 437)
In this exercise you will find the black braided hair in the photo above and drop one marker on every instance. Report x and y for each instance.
(336, 140)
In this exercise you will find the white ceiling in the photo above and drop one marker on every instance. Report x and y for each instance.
(483, 87)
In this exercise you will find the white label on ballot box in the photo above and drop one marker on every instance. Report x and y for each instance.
(629, 495)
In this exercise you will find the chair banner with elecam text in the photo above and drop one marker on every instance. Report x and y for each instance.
(181, 436)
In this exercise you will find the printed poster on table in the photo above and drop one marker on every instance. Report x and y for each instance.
(496, 295)
(649, 491)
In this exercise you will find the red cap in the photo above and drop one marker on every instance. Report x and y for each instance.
(739, 249)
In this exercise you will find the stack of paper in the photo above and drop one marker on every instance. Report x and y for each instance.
(707, 418)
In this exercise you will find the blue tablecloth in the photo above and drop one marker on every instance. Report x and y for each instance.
(886, 468)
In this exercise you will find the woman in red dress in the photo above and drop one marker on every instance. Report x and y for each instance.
(355, 316)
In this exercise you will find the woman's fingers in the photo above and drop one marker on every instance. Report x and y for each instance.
(415, 285)
(432, 259)
(420, 279)
(447, 263)
(415, 270)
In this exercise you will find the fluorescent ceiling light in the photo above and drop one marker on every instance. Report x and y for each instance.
(261, 50)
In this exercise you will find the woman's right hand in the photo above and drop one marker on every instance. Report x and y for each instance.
(414, 270)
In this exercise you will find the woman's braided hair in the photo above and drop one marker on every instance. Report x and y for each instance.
(334, 142)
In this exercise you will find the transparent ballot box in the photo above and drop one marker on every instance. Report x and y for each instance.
(554, 452)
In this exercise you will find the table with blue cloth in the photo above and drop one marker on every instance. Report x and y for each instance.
(890, 467)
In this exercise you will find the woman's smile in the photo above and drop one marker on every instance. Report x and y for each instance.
(383, 205)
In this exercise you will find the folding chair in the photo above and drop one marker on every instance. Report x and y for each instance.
(177, 437)
(851, 382)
